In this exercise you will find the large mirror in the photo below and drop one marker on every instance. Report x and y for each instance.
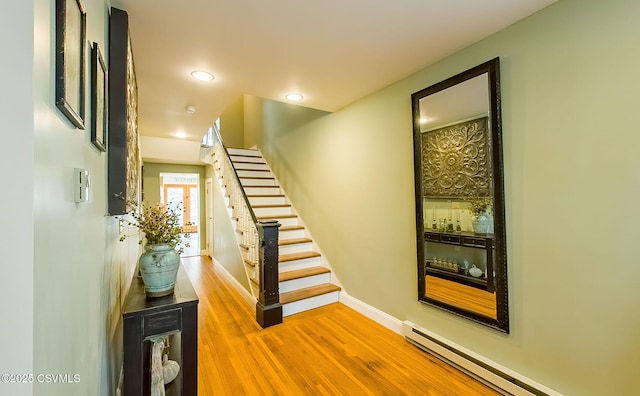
(460, 221)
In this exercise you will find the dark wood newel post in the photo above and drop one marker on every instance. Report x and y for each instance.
(268, 307)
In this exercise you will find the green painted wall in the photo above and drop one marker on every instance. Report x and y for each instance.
(81, 271)
(232, 124)
(225, 240)
(151, 188)
(570, 118)
(264, 119)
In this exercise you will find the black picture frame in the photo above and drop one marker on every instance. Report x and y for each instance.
(99, 100)
(124, 161)
(71, 31)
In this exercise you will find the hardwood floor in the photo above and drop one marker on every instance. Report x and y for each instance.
(332, 350)
(465, 297)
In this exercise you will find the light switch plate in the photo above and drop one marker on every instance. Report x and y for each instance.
(81, 185)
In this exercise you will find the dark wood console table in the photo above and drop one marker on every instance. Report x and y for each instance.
(145, 318)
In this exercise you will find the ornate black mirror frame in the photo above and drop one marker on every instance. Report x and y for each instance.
(496, 277)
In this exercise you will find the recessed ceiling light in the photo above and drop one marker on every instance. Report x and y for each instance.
(294, 97)
(202, 75)
(190, 109)
(180, 134)
(424, 120)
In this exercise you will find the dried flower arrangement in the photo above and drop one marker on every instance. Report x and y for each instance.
(480, 205)
(159, 223)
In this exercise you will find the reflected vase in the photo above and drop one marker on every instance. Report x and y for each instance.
(480, 223)
(159, 269)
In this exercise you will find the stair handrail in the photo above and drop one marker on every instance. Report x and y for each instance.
(218, 137)
(268, 307)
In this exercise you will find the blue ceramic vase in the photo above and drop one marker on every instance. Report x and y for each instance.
(159, 269)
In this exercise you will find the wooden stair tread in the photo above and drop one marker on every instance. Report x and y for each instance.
(266, 196)
(283, 216)
(256, 177)
(302, 273)
(271, 206)
(252, 170)
(297, 256)
(308, 292)
(293, 241)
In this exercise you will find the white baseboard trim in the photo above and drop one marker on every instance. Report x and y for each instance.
(243, 292)
(491, 373)
(204, 253)
(373, 313)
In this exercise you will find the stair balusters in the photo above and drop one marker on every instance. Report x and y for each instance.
(258, 240)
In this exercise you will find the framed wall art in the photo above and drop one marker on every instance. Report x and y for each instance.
(71, 27)
(124, 158)
(99, 113)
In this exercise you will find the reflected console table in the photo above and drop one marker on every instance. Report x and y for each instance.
(485, 242)
(144, 318)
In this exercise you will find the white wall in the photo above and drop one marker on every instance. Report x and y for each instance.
(170, 151)
(16, 165)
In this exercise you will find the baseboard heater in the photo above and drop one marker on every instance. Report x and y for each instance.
(490, 373)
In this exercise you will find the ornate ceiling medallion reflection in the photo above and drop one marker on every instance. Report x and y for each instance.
(456, 162)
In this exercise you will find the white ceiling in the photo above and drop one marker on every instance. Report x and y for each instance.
(333, 52)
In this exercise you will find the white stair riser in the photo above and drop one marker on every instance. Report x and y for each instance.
(262, 190)
(291, 234)
(236, 158)
(273, 211)
(295, 248)
(301, 283)
(242, 151)
(258, 182)
(299, 264)
(253, 173)
(266, 200)
(310, 303)
(289, 221)
(245, 165)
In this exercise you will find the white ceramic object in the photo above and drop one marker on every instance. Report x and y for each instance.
(475, 272)
(170, 369)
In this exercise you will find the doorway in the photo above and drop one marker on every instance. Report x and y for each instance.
(182, 190)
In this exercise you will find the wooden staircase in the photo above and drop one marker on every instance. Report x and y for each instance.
(304, 282)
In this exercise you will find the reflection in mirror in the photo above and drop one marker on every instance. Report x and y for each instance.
(462, 264)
